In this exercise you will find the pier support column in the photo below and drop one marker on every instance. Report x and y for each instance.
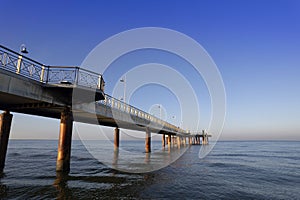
(116, 139)
(163, 140)
(148, 141)
(5, 124)
(178, 141)
(65, 140)
(169, 140)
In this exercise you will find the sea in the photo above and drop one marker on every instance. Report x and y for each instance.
(231, 170)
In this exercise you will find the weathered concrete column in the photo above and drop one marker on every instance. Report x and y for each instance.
(205, 140)
(5, 124)
(65, 140)
(163, 140)
(116, 139)
(148, 141)
(178, 141)
(169, 140)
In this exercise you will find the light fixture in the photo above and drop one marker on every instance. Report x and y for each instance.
(23, 49)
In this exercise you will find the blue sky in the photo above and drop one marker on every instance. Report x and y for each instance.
(255, 45)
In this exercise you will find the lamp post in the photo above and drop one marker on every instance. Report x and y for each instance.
(23, 49)
(123, 80)
(159, 106)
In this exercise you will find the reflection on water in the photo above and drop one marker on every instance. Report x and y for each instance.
(3, 187)
(61, 184)
(240, 170)
(128, 159)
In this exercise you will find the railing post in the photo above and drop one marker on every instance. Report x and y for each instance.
(4, 59)
(19, 64)
(47, 75)
(76, 75)
(42, 74)
(112, 102)
(99, 82)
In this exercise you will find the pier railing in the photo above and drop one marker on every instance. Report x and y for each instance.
(133, 111)
(22, 65)
(75, 76)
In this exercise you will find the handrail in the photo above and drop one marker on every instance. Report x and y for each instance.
(14, 52)
(127, 108)
(27, 67)
(24, 66)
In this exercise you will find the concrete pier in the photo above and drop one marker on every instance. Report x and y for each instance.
(178, 141)
(148, 141)
(65, 140)
(5, 124)
(169, 140)
(163, 140)
(116, 139)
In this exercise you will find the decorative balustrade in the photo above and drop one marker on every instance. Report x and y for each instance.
(133, 111)
(24, 66)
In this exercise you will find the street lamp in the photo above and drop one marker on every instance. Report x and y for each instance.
(123, 80)
(159, 106)
(23, 49)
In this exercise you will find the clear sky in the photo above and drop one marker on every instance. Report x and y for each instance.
(255, 44)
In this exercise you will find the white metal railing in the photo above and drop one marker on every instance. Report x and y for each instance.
(24, 66)
(133, 111)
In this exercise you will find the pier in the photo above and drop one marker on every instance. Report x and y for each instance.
(30, 87)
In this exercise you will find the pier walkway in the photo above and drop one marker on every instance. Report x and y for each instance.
(71, 94)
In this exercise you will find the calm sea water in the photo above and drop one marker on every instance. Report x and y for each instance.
(233, 170)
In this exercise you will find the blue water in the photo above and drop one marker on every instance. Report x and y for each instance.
(233, 170)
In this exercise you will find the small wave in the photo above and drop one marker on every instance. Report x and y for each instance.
(232, 155)
(75, 158)
(14, 154)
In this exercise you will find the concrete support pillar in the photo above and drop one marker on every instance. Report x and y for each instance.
(5, 124)
(205, 140)
(163, 140)
(116, 139)
(65, 140)
(148, 141)
(178, 141)
(169, 140)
